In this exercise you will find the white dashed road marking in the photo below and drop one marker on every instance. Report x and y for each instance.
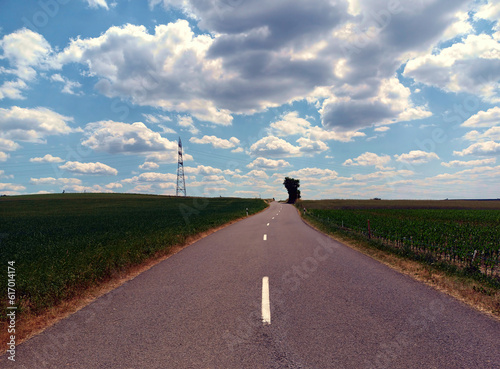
(266, 304)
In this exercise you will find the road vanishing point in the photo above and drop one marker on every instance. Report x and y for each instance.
(268, 292)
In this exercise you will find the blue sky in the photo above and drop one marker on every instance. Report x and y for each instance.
(356, 98)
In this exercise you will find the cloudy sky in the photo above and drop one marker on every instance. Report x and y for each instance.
(356, 98)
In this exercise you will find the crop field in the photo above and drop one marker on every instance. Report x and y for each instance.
(463, 233)
(62, 244)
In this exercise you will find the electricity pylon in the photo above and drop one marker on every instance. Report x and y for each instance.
(181, 183)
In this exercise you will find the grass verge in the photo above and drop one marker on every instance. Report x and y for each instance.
(473, 289)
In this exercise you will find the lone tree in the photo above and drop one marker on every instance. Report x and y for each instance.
(292, 186)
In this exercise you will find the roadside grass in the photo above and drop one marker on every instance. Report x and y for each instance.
(467, 284)
(63, 245)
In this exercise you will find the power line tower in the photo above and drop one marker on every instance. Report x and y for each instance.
(181, 183)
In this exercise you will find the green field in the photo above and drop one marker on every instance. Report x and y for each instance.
(63, 244)
(462, 233)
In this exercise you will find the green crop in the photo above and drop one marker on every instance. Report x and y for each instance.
(467, 238)
(62, 244)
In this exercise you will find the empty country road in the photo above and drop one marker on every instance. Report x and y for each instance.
(268, 292)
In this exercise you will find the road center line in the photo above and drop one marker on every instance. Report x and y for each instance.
(268, 224)
(266, 305)
(265, 237)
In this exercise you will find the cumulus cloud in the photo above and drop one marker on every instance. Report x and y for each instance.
(11, 188)
(47, 159)
(367, 159)
(257, 174)
(470, 163)
(204, 170)
(272, 146)
(290, 124)
(187, 122)
(264, 163)
(148, 165)
(470, 66)
(416, 157)
(216, 142)
(68, 85)
(88, 168)
(313, 173)
(113, 185)
(97, 4)
(167, 69)
(383, 175)
(488, 118)
(25, 50)
(55, 181)
(492, 134)
(8, 145)
(152, 177)
(32, 125)
(480, 149)
(117, 137)
(389, 103)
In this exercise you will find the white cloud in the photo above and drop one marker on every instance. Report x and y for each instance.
(4, 156)
(25, 50)
(88, 168)
(149, 165)
(8, 145)
(204, 170)
(488, 118)
(369, 158)
(383, 175)
(416, 157)
(187, 122)
(311, 147)
(264, 163)
(290, 124)
(471, 66)
(172, 72)
(114, 185)
(32, 125)
(272, 146)
(470, 174)
(313, 173)
(470, 163)
(97, 4)
(117, 137)
(13, 89)
(55, 181)
(68, 85)
(489, 11)
(492, 134)
(157, 118)
(11, 187)
(258, 174)
(389, 103)
(216, 142)
(318, 133)
(152, 177)
(47, 159)
(481, 149)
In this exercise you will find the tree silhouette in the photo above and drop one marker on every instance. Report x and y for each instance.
(292, 186)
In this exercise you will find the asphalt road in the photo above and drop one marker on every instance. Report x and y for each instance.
(268, 292)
